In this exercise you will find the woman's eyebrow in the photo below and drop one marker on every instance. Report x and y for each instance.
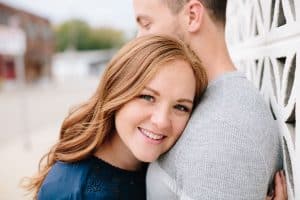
(152, 90)
(180, 100)
(186, 100)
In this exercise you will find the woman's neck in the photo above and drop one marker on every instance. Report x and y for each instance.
(116, 153)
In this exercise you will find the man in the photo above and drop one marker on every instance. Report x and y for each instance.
(231, 146)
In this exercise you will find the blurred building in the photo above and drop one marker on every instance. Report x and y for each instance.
(39, 46)
(80, 64)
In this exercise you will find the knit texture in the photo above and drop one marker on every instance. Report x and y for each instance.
(229, 150)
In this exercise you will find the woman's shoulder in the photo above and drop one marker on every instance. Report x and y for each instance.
(92, 178)
(64, 179)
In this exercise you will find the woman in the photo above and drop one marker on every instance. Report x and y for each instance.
(139, 110)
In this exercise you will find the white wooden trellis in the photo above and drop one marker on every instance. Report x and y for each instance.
(264, 42)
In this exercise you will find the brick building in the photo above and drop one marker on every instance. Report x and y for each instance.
(39, 45)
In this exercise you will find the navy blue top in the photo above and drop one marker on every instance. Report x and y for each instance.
(92, 179)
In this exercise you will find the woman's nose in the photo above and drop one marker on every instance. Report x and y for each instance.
(161, 118)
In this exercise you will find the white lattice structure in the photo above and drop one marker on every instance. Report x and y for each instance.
(264, 41)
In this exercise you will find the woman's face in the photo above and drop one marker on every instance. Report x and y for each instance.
(149, 124)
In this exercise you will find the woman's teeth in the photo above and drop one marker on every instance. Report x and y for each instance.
(151, 135)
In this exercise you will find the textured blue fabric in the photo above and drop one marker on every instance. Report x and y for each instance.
(92, 179)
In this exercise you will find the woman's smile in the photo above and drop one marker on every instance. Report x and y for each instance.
(156, 138)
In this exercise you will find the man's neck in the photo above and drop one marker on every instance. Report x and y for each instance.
(213, 52)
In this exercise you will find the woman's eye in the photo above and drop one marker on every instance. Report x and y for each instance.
(147, 97)
(182, 108)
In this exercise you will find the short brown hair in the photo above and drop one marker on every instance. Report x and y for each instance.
(217, 7)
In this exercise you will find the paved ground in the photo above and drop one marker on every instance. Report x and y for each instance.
(30, 121)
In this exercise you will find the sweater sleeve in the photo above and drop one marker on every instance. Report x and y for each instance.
(226, 165)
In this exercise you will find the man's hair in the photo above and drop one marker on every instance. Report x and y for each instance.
(217, 8)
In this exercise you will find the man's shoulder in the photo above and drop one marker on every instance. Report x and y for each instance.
(233, 100)
(233, 89)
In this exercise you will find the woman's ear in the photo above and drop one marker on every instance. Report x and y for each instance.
(195, 11)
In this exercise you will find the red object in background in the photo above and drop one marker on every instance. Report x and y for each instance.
(1, 68)
(7, 68)
(10, 70)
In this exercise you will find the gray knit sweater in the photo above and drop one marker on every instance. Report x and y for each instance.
(229, 150)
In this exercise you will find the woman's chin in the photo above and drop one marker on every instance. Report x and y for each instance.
(147, 158)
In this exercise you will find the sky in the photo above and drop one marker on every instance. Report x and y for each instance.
(115, 13)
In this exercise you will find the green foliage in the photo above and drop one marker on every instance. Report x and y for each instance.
(77, 34)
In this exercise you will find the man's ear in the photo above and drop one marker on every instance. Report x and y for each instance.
(195, 11)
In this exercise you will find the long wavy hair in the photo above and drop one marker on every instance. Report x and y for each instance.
(91, 124)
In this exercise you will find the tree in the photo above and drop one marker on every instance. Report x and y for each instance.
(77, 34)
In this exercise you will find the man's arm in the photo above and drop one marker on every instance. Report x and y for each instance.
(223, 164)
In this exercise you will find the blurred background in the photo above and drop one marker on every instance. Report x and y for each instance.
(52, 53)
(51, 56)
